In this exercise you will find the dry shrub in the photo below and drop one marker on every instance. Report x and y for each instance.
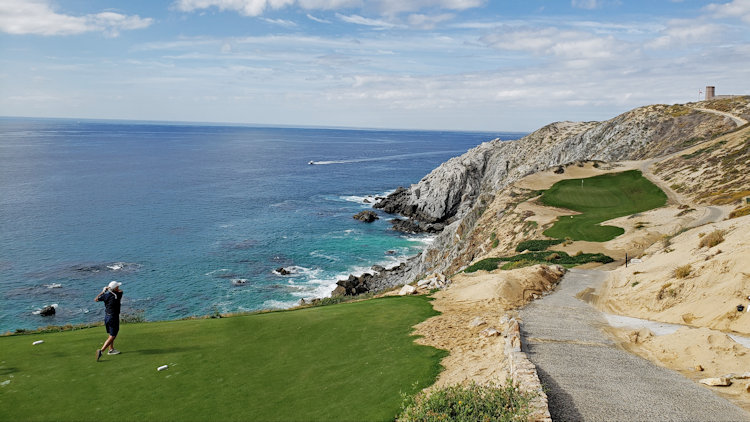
(682, 271)
(712, 239)
(740, 212)
(665, 291)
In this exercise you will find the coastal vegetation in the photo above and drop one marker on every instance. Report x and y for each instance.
(599, 199)
(712, 239)
(473, 402)
(342, 362)
(540, 257)
(537, 244)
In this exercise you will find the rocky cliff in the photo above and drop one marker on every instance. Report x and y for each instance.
(456, 193)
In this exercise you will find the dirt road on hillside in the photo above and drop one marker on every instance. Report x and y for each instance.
(739, 121)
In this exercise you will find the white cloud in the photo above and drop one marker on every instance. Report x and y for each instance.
(735, 9)
(383, 7)
(428, 21)
(555, 42)
(586, 4)
(244, 7)
(319, 20)
(680, 33)
(281, 22)
(37, 17)
(360, 20)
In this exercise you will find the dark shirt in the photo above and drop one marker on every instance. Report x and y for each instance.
(111, 303)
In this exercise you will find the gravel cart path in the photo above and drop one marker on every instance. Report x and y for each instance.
(590, 379)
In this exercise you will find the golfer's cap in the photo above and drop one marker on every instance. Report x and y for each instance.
(113, 284)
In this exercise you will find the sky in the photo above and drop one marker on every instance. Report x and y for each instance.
(402, 64)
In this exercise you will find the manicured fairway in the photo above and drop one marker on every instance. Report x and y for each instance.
(599, 199)
(339, 362)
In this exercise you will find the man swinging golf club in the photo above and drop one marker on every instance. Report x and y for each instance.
(111, 296)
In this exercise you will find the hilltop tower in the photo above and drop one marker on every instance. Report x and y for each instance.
(710, 92)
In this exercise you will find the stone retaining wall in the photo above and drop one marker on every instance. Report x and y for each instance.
(523, 372)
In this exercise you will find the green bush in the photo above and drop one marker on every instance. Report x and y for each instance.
(537, 244)
(488, 264)
(554, 256)
(564, 259)
(468, 403)
(135, 316)
(518, 264)
(533, 258)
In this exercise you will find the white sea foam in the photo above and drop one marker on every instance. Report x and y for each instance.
(216, 271)
(369, 200)
(317, 288)
(298, 271)
(319, 254)
(53, 286)
(424, 239)
(279, 304)
(123, 266)
(358, 199)
(39, 311)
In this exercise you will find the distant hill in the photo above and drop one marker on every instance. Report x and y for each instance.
(461, 190)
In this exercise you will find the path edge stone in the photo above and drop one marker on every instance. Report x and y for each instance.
(523, 372)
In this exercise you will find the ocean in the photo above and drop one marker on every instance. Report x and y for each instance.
(193, 219)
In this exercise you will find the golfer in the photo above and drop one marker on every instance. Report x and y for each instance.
(111, 296)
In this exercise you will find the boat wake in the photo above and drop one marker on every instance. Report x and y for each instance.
(384, 158)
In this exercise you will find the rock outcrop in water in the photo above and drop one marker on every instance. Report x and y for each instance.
(366, 216)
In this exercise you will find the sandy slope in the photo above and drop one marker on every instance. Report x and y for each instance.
(486, 296)
(707, 298)
(696, 353)
(718, 281)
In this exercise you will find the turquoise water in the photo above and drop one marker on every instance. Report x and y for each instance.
(194, 219)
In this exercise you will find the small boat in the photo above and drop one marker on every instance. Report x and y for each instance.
(311, 162)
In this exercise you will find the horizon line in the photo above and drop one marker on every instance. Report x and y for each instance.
(254, 125)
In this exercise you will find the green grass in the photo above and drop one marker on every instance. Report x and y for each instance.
(599, 199)
(342, 362)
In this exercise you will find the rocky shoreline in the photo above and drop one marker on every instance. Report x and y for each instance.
(378, 279)
(449, 200)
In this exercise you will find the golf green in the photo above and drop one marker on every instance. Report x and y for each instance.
(599, 199)
(341, 362)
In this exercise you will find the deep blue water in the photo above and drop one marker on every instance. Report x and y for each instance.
(180, 214)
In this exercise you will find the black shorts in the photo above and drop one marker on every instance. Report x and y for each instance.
(112, 324)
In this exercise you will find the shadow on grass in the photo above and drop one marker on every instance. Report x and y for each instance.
(158, 351)
(7, 371)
